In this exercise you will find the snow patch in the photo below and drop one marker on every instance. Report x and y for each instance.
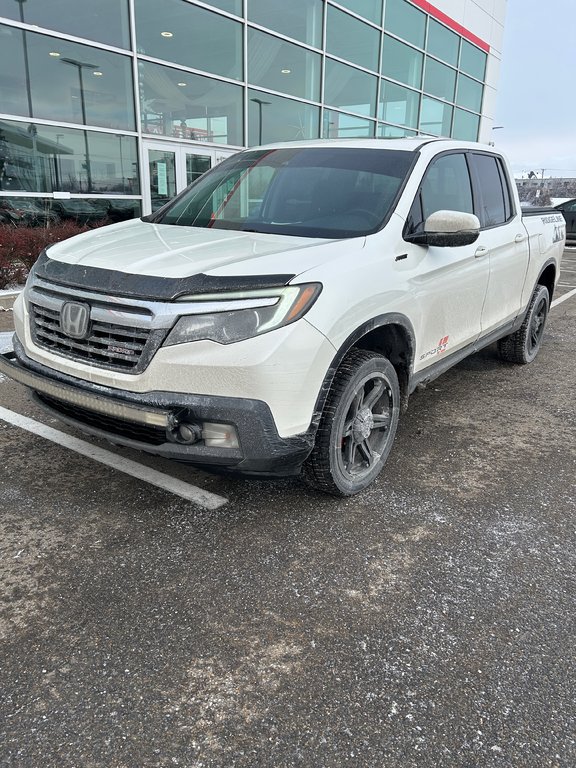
(6, 341)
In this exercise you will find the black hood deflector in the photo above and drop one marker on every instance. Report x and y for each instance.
(116, 283)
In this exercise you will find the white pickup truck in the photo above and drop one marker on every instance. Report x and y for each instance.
(275, 317)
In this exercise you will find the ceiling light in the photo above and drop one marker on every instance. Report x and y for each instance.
(286, 71)
(54, 53)
(182, 85)
(167, 34)
(97, 74)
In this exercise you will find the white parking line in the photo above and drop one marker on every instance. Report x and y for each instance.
(560, 299)
(146, 474)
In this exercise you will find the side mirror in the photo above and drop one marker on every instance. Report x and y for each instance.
(447, 229)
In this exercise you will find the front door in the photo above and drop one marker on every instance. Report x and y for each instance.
(449, 283)
(169, 168)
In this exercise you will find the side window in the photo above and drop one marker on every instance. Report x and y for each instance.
(446, 186)
(569, 207)
(492, 203)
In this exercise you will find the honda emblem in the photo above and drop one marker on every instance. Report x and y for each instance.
(74, 319)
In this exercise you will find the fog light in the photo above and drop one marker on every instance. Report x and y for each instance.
(188, 433)
(220, 436)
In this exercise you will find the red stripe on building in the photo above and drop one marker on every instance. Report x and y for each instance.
(429, 8)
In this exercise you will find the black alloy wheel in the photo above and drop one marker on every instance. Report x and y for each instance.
(358, 425)
(522, 346)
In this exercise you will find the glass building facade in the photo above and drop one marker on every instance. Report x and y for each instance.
(108, 108)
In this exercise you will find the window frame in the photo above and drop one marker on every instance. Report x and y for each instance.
(412, 227)
(510, 209)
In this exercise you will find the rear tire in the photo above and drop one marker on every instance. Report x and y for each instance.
(357, 427)
(522, 346)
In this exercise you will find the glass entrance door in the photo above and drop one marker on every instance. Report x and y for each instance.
(196, 165)
(162, 177)
(169, 168)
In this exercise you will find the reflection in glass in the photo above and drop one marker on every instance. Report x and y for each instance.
(439, 80)
(370, 9)
(186, 106)
(282, 66)
(300, 19)
(196, 165)
(15, 100)
(272, 118)
(401, 62)
(47, 212)
(231, 6)
(398, 105)
(472, 60)
(349, 88)
(393, 132)
(469, 93)
(185, 34)
(105, 21)
(26, 212)
(80, 211)
(406, 21)
(76, 83)
(466, 125)
(351, 39)
(442, 42)
(42, 158)
(435, 117)
(340, 126)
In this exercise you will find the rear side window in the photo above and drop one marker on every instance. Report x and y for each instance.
(494, 202)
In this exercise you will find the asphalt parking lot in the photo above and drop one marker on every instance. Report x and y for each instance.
(429, 621)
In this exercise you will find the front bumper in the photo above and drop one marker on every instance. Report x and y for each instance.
(149, 422)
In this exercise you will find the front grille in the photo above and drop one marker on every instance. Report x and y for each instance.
(109, 424)
(111, 346)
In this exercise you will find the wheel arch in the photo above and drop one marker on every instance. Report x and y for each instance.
(391, 335)
(547, 277)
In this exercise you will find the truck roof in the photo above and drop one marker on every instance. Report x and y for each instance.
(406, 144)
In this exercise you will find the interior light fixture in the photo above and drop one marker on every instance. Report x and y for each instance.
(182, 85)
(167, 34)
(97, 74)
(55, 54)
(286, 71)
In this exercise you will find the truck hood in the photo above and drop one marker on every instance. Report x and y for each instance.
(162, 250)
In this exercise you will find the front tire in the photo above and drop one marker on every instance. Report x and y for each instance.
(522, 346)
(357, 427)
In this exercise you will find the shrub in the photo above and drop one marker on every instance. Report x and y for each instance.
(21, 246)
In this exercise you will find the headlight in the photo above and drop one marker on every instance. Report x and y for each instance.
(32, 273)
(226, 318)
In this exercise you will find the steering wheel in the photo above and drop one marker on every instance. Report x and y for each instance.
(370, 216)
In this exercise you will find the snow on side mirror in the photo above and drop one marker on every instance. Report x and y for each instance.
(448, 229)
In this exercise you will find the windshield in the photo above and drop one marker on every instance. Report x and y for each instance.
(331, 192)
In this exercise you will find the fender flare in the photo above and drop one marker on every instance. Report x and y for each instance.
(550, 262)
(389, 318)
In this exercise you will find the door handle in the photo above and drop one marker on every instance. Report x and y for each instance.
(519, 238)
(481, 251)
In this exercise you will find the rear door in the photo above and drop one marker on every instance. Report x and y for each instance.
(504, 237)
